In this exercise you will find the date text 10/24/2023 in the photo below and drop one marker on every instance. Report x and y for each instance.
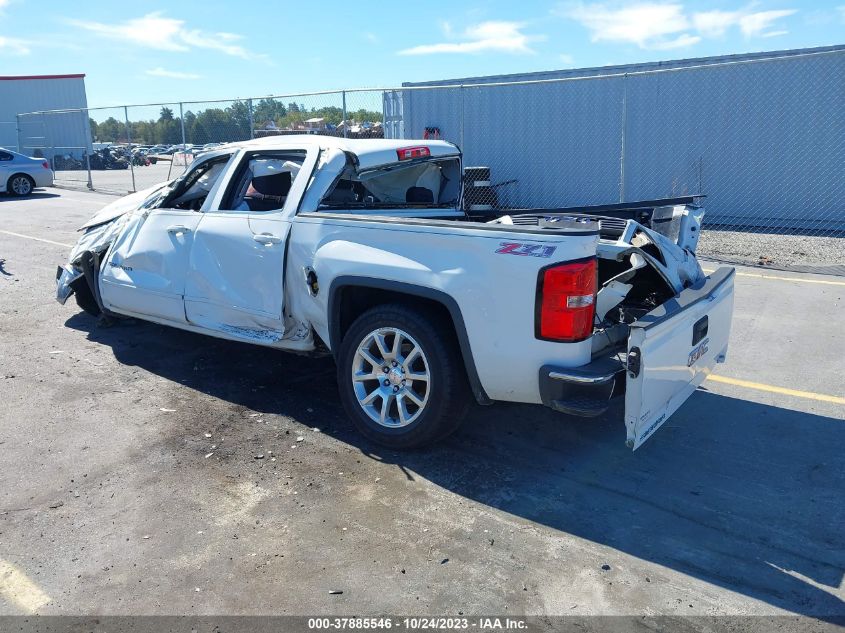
(419, 623)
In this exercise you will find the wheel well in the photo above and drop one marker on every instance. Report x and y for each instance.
(348, 302)
(354, 301)
(20, 173)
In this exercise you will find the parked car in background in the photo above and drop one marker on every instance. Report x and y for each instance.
(20, 174)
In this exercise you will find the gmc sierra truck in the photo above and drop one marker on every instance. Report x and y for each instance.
(362, 249)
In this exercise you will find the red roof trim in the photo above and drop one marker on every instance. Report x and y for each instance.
(16, 78)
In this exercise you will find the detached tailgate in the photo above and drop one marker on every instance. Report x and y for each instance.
(672, 349)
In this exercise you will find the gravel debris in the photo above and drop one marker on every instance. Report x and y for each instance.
(772, 251)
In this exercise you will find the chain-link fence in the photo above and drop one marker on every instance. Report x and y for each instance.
(762, 140)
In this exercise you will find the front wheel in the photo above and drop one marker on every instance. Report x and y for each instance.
(401, 378)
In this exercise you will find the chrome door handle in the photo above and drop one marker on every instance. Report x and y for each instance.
(266, 238)
(178, 229)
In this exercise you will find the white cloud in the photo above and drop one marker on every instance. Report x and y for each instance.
(643, 24)
(223, 42)
(758, 24)
(153, 31)
(159, 32)
(372, 38)
(499, 36)
(751, 24)
(567, 59)
(171, 74)
(14, 46)
(715, 23)
(682, 41)
(663, 26)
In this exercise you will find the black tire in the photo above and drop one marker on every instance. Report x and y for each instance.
(448, 393)
(25, 178)
(85, 299)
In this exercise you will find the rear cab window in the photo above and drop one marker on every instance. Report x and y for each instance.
(414, 185)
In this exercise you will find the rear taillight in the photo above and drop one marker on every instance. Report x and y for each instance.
(45, 165)
(566, 298)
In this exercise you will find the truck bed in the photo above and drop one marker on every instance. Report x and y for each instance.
(612, 217)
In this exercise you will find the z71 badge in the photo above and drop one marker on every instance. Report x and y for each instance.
(526, 250)
(697, 352)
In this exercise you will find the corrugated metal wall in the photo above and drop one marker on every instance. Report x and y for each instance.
(763, 138)
(53, 134)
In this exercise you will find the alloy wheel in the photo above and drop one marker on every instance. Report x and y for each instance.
(21, 185)
(391, 377)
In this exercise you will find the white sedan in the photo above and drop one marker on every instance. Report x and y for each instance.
(20, 174)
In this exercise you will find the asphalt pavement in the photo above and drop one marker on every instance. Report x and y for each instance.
(146, 470)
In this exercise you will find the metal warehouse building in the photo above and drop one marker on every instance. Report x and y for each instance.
(761, 135)
(67, 133)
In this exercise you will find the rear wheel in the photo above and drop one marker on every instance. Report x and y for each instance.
(20, 185)
(401, 378)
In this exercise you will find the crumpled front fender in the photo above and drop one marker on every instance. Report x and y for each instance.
(96, 239)
(65, 276)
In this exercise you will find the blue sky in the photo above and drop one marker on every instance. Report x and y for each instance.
(153, 51)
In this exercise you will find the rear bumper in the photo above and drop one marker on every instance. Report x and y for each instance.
(43, 178)
(586, 391)
(589, 390)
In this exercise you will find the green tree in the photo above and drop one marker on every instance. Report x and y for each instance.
(332, 114)
(359, 116)
(239, 114)
(168, 129)
(190, 127)
(269, 110)
(110, 130)
(142, 131)
(215, 125)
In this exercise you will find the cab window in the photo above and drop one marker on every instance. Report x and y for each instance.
(419, 184)
(264, 181)
(189, 191)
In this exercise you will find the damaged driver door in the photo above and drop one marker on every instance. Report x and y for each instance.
(235, 280)
(144, 272)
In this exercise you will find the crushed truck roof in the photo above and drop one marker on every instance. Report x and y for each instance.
(370, 151)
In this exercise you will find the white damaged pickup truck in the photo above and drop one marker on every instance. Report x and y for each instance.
(361, 249)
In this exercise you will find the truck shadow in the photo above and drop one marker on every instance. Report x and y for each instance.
(738, 494)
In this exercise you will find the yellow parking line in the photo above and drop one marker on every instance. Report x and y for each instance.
(821, 397)
(37, 239)
(796, 279)
(17, 588)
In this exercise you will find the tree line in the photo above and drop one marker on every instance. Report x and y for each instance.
(214, 125)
